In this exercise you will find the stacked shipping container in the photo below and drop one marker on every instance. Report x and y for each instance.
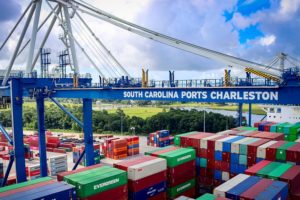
(42, 188)
(252, 187)
(133, 145)
(57, 164)
(77, 151)
(147, 177)
(291, 131)
(159, 139)
(33, 171)
(102, 182)
(180, 170)
(115, 148)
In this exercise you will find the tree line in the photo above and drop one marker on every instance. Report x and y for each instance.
(175, 120)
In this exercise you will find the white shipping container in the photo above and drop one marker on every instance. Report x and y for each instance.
(203, 141)
(33, 167)
(55, 158)
(224, 132)
(222, 189)
(261, 150)
(219, 143)
(235, 146)
(147, 168)
(225, 176)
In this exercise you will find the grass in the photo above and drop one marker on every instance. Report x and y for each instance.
(142, 112)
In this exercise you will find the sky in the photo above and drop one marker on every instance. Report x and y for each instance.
(255, 30)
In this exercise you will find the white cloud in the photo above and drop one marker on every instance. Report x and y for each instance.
(267, 40)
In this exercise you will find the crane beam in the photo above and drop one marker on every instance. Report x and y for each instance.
(144, 32)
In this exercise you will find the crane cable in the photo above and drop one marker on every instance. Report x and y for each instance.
(101, 61)
(103, 46)
(98, 50)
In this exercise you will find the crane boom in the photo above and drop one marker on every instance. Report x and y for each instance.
(147, 33)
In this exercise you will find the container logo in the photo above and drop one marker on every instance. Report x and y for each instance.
(183, 187)
(98, 186)
(184, 157)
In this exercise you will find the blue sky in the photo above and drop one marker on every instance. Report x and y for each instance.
(251, 29)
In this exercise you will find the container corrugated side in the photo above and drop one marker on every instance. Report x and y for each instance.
(235, 146)
(179, 156)
(179, 189)
(261, 150)
(222, 189)
(147, 168)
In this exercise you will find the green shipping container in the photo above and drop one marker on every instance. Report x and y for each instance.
(207, 196)
(177, 137)
(179, 189)
(245, 128)
(281, 126)
(281, 151)
(244, 146)
(24, 184)
(99, 180)
(242, 159)
(295, 129)
(267, 169)
(286, 129)
(178, 156)
(291, 138)
(275, 174)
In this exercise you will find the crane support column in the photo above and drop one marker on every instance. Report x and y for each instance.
(250, 115)
(240, 114)
(17, 128)
(88, 132)
(40, 104)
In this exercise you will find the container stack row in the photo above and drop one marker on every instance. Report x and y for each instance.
(285, 172)
(180, 170)
(291, 131)
(147, 177)
(77, 151)
(133, 145)
(114, 148)
(41, 188)
(33, 171)
(253, 133)
(159, 139)
(252, 187)
(57, 164)
(103, 182)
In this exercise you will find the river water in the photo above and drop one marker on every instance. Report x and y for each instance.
(255, 118)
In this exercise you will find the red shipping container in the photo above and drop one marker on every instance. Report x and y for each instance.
(254, 169)
(52, 139)
(271, 150)
(201, 153)
(268, 126)
(292, 177)
(118, 193)
(184, 138)
(147, 181)
(160, 196)
(251, 160)
(225, 166)
(226, 157)
(211, 142)
(218, 165)
(256, 124)
(293, 153)
(252, 148)
(295, 195)
(123, 165)
(176, 180)
(256, 189)
(210, 163)
(188, 166)
(60, 176)
(52, 145)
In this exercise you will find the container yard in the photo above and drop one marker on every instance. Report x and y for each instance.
(184, 152)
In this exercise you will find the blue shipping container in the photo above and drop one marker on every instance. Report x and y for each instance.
(148, 192)
(237, 190)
